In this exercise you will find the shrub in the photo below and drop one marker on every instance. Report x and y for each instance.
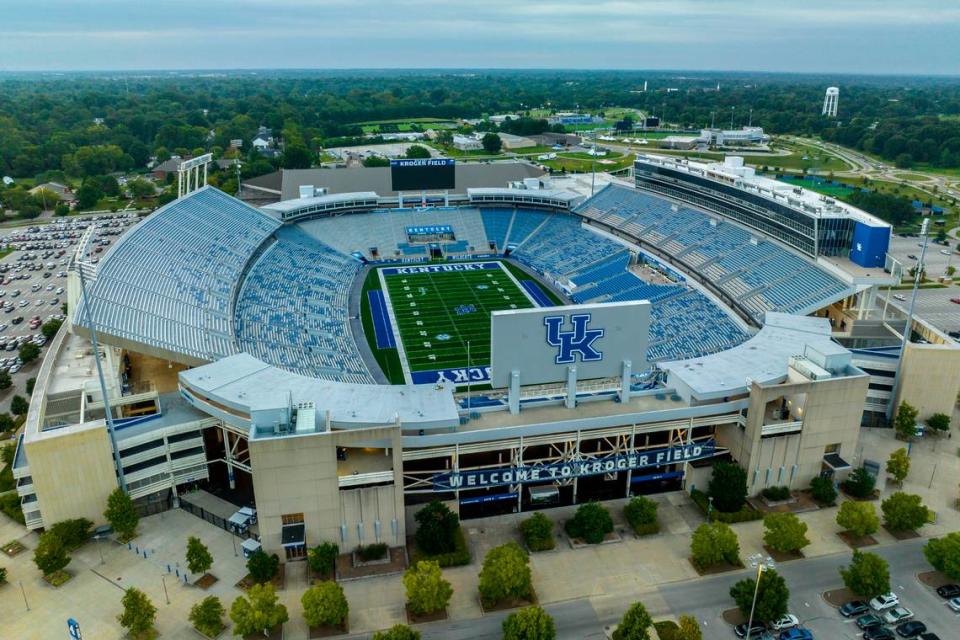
(456, 558)
(859, 518)
(537, 531)
(784, 532)
(3, 575)
(263, 567)
(823, 490)
(427, 591)
(746, 514)
(860, 484)
(370, 552)
(943, 554)
(325, 605)
(323, 558)
(207, 616)
(436, 528)
(138, 613)
(868, 575)
(50, 555)
(635, 624)
(530, 623)
(641, 513)
(10, 505)
(728, 487)
(939, 422)
(72, 533)
(714, 543)
(505, 574)
(776, 494)
(591, 522)
(904, 512)
(397, 632)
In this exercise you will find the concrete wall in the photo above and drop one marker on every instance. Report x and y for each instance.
(73, 473)
(298, 474)
(930, 378)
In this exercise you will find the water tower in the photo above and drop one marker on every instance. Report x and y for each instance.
(830, 102)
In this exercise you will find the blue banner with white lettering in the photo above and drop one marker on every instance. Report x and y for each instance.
(458, 376)
(568, 470)
(439, 268)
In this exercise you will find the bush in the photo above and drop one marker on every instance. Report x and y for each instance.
(591, 523)
(397, 632)
(505, 575)
(641, 513)
(904, 512)
(537, 531)
(785, 532)
(939, 422)
(943, 554)
(376, 551)
(860, 484)
(50, 555)
(714, 543)
(823, 490)
(19, 405)
(456, 558)
(530, 623)
(263, 567)
(635, 624)
(323, 558)
(427, 591)
(859, 518)
(436, 529)
(207, 616)
(29, 352)
(10, 505)
(728, 486)
(776, 494)
(746, 514)
(325, 605)
(73, 533)
(3, 575)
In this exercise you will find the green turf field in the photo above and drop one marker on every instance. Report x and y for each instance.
(438, 313)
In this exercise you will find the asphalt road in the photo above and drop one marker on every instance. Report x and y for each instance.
(707, 598)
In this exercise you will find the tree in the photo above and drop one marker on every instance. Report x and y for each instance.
(905, 422)
(140, 188)
(537, 532)
(939, 421)
(772, 596)
(122, 515)
(323, 558)
(417, 151)
(530, 623)
(397, 632)
(860, 483)
(635, 624)
(19, 405)
(898, 465)
(31, 383)
(823, 490)
(297, 156)
(904, 512)
(88, 195)
(376, 161)
(263, 567)
(258, 612)
(714, 543)
(689, 629)
(199, 559)
(73, 533)
(50, 328)
(591, 522)
(943, 554)
(505, 574)
(859, 518)
(207, 616)
(867, 575)
(491, 143)
(50, 555)
(436, 528)
(3, 575)
(5, 381)
(324, 605)
(62, 209)
(728, 487)
(29, 352)
(138, 613)
(784, 532)
(641, 512)
(427, 591)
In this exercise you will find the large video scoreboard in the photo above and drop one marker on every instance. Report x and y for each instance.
(424, 174)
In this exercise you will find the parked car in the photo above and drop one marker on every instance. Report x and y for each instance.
(854, 608)
(949, 591)
(897, 615)
(788, 621)
(756, 630)
(955, 300)
(884, 602)
(797, 633)
(900, 297)
(911, 629)
(878, 633)
(869, 621)
(954, 603)
(929, 636)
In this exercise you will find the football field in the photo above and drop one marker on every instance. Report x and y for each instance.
(436, 311)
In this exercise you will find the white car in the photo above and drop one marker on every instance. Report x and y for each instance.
(788, 621)
(884, 602)
(944, 252)
(954, 603)
(897, 615)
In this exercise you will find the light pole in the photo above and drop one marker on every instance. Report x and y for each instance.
(760, 563)
(908, 327)
(709, 507)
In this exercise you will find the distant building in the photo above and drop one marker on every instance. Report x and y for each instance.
(264, 140)
(171, 165)
(678, 142)
(734, 137)
(511, 141)
(574, 119)
(503, 117)
(830, 102)
(7, 181)
(63, 192)
(227, 163)
(466, 143)
(551, 139)
(98, 122)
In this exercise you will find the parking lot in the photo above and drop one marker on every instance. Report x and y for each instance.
(938, 257)
(33, 285)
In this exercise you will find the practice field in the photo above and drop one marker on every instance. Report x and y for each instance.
(430, 312)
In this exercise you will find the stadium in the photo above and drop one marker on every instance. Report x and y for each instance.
(339, 358)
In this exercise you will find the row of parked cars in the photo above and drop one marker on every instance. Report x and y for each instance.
(58, 235)
(885, 618)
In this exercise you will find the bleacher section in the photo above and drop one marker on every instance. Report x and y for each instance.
(293, 309)
(170, 281)
(759, 274)
(496, 223)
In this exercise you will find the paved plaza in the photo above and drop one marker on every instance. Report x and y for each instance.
(605, 578)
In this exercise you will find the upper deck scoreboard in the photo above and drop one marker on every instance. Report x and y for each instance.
(423, 174)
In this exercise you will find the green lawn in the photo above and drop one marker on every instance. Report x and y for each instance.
(580, 165)
(438, 313)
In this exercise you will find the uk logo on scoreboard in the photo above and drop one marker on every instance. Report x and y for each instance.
(579, 340)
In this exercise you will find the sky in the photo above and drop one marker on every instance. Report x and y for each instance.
(833, 36)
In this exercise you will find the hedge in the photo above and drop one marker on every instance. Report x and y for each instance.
(370, 552)
(746, 514)
(775, 494)
(456, 558)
